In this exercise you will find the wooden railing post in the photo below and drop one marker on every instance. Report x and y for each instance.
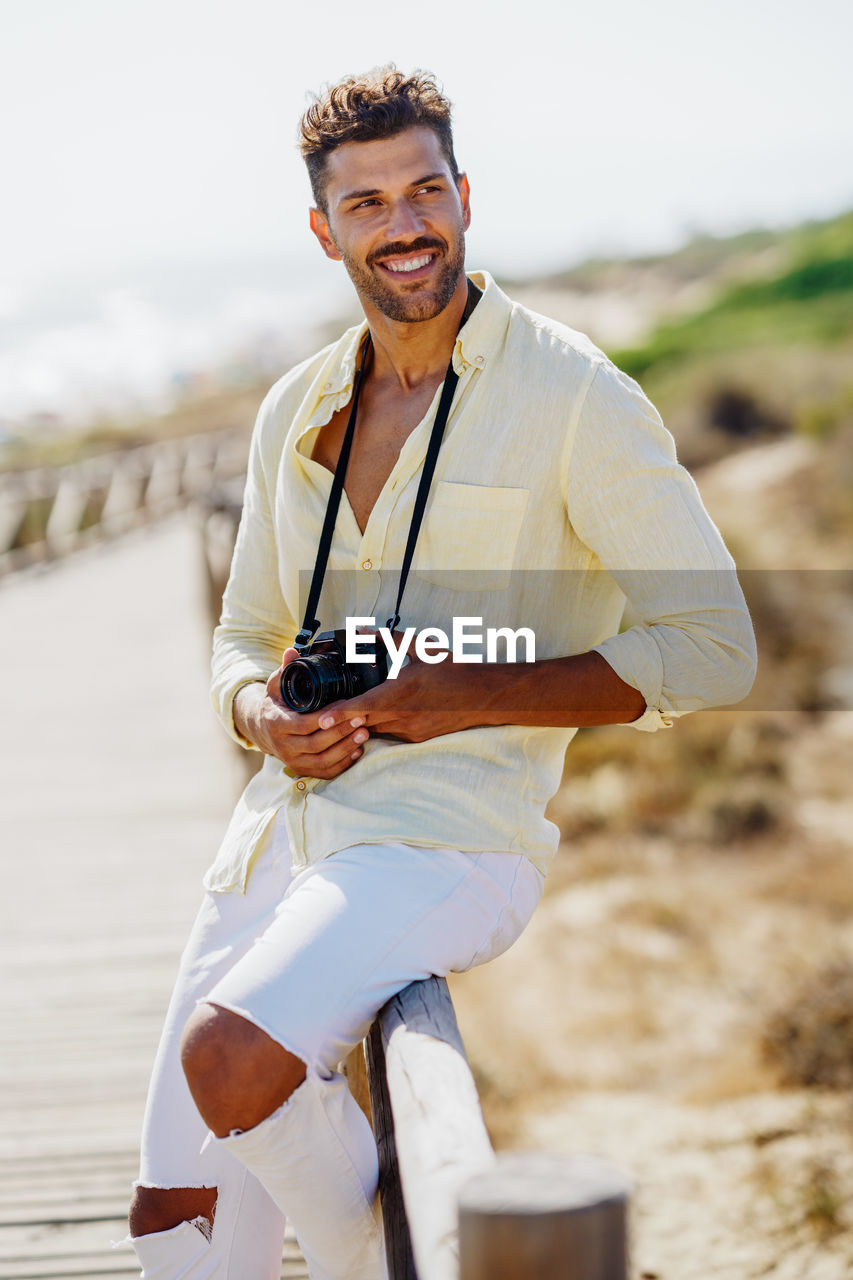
(428, 1124)
(544, 1216)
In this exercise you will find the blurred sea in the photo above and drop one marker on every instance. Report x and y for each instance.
(85, 350)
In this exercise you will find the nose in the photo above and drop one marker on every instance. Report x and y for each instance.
(404, 221)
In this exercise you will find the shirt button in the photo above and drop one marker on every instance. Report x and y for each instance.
(479, 360)
(300, 786)
(327, 387)
(367, 564)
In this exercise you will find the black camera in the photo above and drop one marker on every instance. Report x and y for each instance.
(322, 675)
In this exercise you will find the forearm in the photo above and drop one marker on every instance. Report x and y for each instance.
(573, 692)
(427, 701)
(256, 625)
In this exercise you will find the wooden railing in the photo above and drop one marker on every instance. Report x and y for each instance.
(48, 512)
(452, 1208)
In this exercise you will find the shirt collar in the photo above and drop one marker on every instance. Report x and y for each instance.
(476, 344)
(479, 339)
(340, 374)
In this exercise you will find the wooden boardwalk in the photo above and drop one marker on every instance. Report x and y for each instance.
(115, 784)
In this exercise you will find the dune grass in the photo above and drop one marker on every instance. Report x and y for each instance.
(807, 302)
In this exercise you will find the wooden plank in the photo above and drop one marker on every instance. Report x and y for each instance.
(109, 821)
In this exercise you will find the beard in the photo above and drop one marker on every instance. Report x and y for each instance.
(422, 302)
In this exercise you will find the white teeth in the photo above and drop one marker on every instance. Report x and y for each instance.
(412, 264)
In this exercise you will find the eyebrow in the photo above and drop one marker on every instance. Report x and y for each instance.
(358, 195)
(375, 191)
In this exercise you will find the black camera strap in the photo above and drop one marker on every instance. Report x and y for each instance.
(311, 624)
(442, 413)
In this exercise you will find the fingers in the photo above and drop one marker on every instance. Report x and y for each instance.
(331, 761)
(380, 707)
(366, 708)
(339, 714)
(310, 750)
(301, 742)
(274, 682)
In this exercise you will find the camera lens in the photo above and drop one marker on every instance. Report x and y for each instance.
(307, 684)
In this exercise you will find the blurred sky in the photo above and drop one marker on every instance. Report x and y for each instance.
(153, 140)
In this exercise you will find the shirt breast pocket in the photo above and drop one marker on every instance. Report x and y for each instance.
(469, 536)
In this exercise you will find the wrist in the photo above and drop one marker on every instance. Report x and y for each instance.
(246, 713)
(483, 693)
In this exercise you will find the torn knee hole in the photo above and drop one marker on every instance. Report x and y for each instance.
(156, 1209)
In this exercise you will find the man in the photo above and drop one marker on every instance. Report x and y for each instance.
(402, 832)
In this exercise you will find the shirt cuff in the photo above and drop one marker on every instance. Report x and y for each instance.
(651, 720)
(223, 705)
(636, 659)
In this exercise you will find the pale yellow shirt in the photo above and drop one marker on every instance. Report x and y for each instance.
(556, 496)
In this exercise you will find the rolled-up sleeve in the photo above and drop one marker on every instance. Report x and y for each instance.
(691, 644)
(255, 627)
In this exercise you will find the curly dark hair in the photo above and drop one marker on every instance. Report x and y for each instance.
(378, 104)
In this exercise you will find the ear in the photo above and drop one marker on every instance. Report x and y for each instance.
(320, 226)
(465, 196)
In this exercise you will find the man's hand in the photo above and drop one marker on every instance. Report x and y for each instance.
(296, 739)
(423, 702)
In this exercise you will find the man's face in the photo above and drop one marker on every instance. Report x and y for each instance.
(397, 220)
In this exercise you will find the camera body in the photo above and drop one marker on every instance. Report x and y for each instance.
(322, 674)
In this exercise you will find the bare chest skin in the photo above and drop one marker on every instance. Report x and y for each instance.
(387, 415)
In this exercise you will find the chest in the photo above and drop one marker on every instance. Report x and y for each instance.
(386, 419)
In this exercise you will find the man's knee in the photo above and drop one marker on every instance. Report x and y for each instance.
(237, 1074)
(155, 1209)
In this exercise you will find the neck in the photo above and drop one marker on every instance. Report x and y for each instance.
(411, 354)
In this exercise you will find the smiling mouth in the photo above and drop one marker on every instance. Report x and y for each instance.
(408, 267)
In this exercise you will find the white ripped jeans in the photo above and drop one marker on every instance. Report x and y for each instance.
(310, 959)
